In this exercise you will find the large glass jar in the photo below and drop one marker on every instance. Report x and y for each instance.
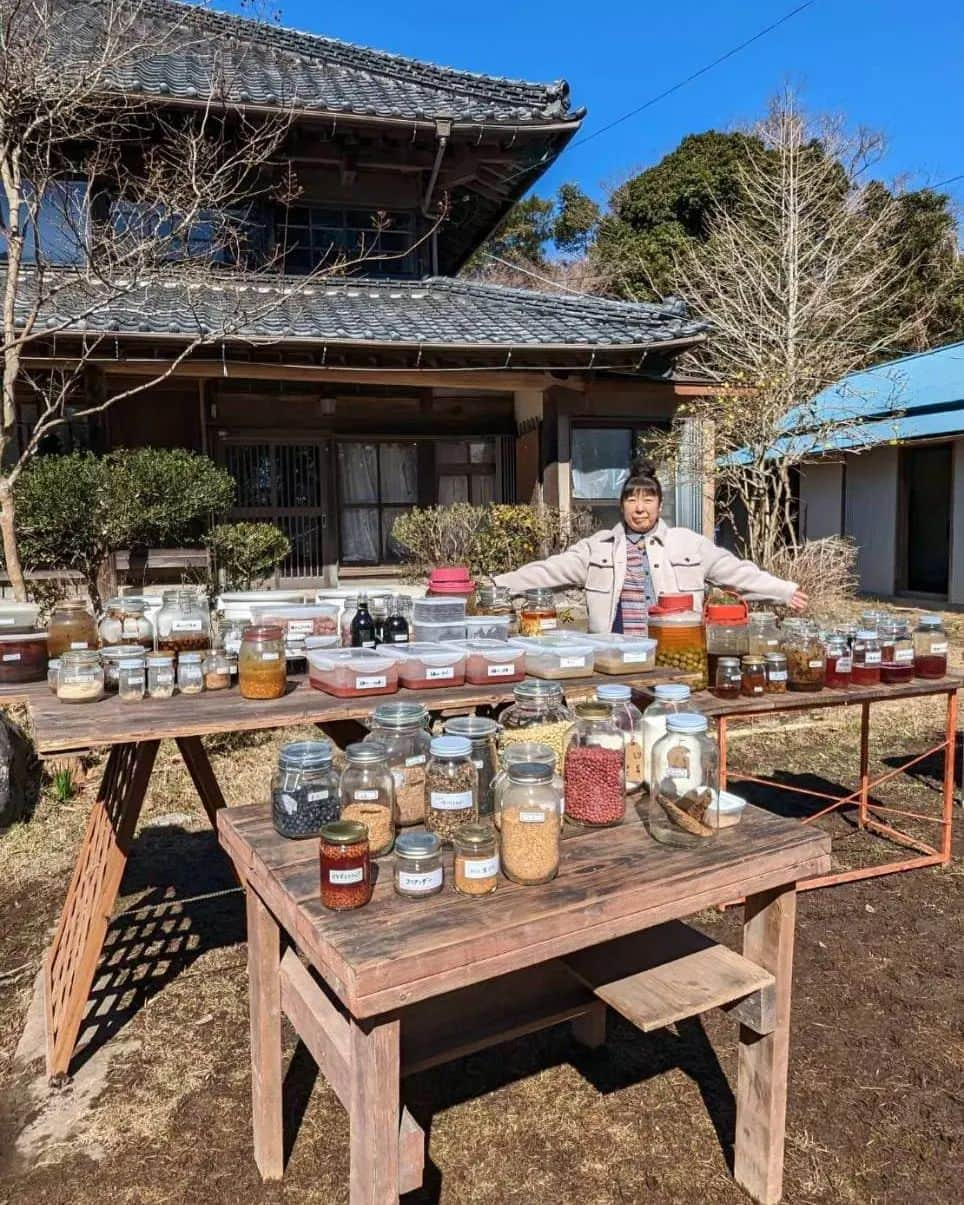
(81, 677)
(160, 675)
(496, 600)
(401, 728)
(481, 733)
(538, 615)
(897, 651)
(368, 793)
(476, 859)
(762, 635)
(866, 658)
(71, 628)
(806, 658)
(418, 870)
(345, 864)
(304, 789)
(125, 622)
(685, 776)
(262, 670)
(594, 768)
(669, 698)
(531, 825)
(680, 636)
(183, 622)
(930, 647)
(629, 720)
(727, 629)
(538, 714)
(451, 787)
(514, 754)
(131, 679)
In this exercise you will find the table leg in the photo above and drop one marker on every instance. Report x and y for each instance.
(762, 1085)
(264, 986)
(722, 735)
(950, 765)
(374, 1112)
(199, 767)
(71, 961)
(864, 764)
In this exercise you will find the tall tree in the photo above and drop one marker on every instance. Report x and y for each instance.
(566, 222)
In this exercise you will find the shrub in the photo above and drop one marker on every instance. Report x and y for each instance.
(825, 570)
(245, 554)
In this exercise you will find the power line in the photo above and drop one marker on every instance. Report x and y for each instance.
(695, 75)
(941, 183)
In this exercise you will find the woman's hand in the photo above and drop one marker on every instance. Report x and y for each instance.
(799, 602)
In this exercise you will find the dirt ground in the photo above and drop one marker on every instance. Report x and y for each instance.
(159, 1110)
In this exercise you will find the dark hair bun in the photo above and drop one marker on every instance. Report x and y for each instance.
(642, 466)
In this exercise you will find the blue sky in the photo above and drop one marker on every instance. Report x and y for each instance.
(890, 66)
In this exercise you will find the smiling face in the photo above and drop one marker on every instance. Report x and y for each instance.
(641, 510)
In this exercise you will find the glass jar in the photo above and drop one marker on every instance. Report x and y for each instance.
(496, 600)
(866, 659)
(930, 647)
(451, 787)
(345, 864)
(81, 677)
(870, 621)
(349, 607)
(125, 622)
(111, 659)
(806, 659)
(53, 670)
(524, 751)
(728, 679)
(481, 733)
(776, 673)
(71, 628)
(131, 679)
(418, 870)
(216, 668)
(685, 776)
(183, 622)
(190, 673)
(595, 768)
(537, 714)
(669, 698)
(753, 677)
(896, 651)
(476, 859)
(531, 825)
(262, 671)
(763, 635)
(368, 793)
(160, 675)
(680, 636)
(304, 789)
(727, 629)
(538, 615)
(231, 633)
(401, 728)
(629, 720)
(839, 661)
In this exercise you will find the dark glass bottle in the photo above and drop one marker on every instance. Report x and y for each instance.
(363, 626)
(396, 625)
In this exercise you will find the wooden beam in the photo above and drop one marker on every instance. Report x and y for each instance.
(318, 1023)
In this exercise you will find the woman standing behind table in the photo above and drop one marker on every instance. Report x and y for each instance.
(624, 570)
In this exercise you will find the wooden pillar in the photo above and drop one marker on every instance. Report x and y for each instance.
(528, 406)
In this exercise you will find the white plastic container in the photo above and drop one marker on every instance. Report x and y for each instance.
(237, 604)
(438, 633)
(727, 811)
(487, 627)
(616, 654)
(551, 657)
(423, 666)
(438, 609)
(351, 673)
(18, 617)
(489, 662)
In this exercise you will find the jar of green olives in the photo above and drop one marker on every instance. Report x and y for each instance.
(680, 636)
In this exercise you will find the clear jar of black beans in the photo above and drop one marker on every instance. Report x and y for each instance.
(304, 789)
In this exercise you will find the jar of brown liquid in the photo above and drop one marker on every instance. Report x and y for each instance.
(754, 677)
(71, 628)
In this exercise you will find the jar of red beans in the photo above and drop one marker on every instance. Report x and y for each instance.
(866, 658)
(930, 647)
(346, 866)
(896, 651)
(839, 661)
(594, 768)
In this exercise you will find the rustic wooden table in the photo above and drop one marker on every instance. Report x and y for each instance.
(402, 985)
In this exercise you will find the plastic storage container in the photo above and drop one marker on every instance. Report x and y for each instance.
(685, 775)
(304, 789)
(531, 823)
(418, 870)
(487, 627)
(538, 615)
(670, 698)
(297, 622)
(125, 622)
(488, 662)
(481, 733)
(438, 609)
(437, 633)
(897, 652)
(930, 647)
(594, 768)
(350, 673)
(451, 787)
(727, 633)
(18, 617)
(183, 623)
(402, 729)
(550, 657)
(538, 714)
(23, 657)
(423, 666)
(81, 677)
(262, 672)
(367, 793)
(680, 636)
(617, 654)
(71, 628)
(629, 720)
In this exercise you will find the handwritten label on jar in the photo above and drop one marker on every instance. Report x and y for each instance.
(450, 801)
(904, 655)
(819, 663)
(371, 683)
(187, 625)
(939, 646)
(438, 673)
(777, 675)
(482, 868)
(478, 764)
(634, 761)
(532, 817)
(270, 656)
(7, 622)
(633, 658)
(232, 643)
(872, 658)
(164, 677)
(500, 671)
(317, 796)
(11, 656)
(300, 627)
(757, 690)
(571, 662)
(548, 625)
(844, 665)
(415, 884)
(341, 878)
(363, 796)
(417, 760)
(80, 644)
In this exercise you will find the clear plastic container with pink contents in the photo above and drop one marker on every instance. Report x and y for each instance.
(350, 673)
(488, 662)
(422, 666)
(298, 622)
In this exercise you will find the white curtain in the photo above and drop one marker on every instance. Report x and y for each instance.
(399, 473)
(358, 471)
(359, 535)
(452, 489)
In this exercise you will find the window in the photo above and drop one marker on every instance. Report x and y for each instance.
(601, 458)
(465, 471)
(377, 482)
(211, 237)
(369, 242)
(60, 230)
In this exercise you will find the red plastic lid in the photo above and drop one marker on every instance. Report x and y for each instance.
(723, 613)
(453, 579)
(668, 603)
(449, 573)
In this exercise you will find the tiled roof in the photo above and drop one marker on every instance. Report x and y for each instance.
(261, 63)
(436, 312)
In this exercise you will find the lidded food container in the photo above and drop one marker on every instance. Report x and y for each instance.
(451, 787)
(262, 672)
(304, 789)
(18, 617)
(297, 622)
(368, 794)
(451, 582)
(131, 678)
(350, 673)
(685, 780)
(492, 661)
(160, 675)
(669, 698)
(476, 863)
(81, 677)
(930, 647)
(183, 623)
(495, 602)
(776, 672)
(897, 651)
(806, 657)
(870, 621)
(217, 670)
(538, 714)
(402, 729)
(71, 628)
(125, 622)
(618, 654)
(521, 751)
(753, 683)
(23, 657)
(422, 666)
(538, 615)
(763, 635)
(418, 868)
(556, 657)
(437, 633)
(680, 636)
(480, 732)
(487, 627)
(866, 658)
(839, 661)
(594, 768)
(345, 864)
(629, 720)
(111, 659)
(727, 632)
(530, 825)
(727, 681)
(190, 673)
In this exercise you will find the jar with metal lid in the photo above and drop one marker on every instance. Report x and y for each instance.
(524, 751)
(537, 714)
(131, 679)
(727, 628)
(685, 780)
(230, 634)
(216, 668)
(776, 673)
(538, 615)
(190, 673)
(184, 622)
(476, 859)
(680, 636)
(629, 720)
(870, 621)
(71, 629)
(595, 768)
(111, 659)
(896, 651)
(481, 733)
(930, 647)
(402, 729)
(262, 670)
(304, 789)
(753, 677)
(806, 659)
(53, 669)
(451, 787)
(368, 793)
(839, 661)
(762, 635)
(125, 622)
(418, 870)
(728, 679)
(531, 825)
(496, 600)
(668, 699)
(81, 677)
(345, 864)
(160, 675)
(866, 658)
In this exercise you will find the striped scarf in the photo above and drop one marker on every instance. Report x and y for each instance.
(638, 594)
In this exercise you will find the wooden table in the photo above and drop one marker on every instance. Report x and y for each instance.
(401, 985)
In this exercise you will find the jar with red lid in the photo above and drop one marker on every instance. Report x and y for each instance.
(930, 647)
(262, 669)
(680, 636)
(839, 661)
(346, 865)
(727, 632)
(453, 581)
(866, 658)
(896, 650)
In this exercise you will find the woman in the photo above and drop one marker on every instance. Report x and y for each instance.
(623, 571)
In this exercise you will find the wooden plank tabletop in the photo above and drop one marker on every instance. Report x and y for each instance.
(611, 882)
(801, 700)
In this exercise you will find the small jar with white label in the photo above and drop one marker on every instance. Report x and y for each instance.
(481, 732)
(190, 673)
(418, 865)
(368, 794)
(160, 675)
(131, 679)
(531, 822)
(451, 787)
(304, 789)
(930, 647)
(476, 859)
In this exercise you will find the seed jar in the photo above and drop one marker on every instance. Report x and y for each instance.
(930, 647)
(629, 720)
(81, 677)
(190, 673)
(451, 787)
(304, 789)
(538, 714)
(160, 675)
(595, 768)
(476, 859)
(685, 781)
(418, 870)
(531, 825)
(515, 754)
(481, 733)
(401, 728)
(131, 679)
(217, 670)
(345, 865)
(368, 794)
(262, 670)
